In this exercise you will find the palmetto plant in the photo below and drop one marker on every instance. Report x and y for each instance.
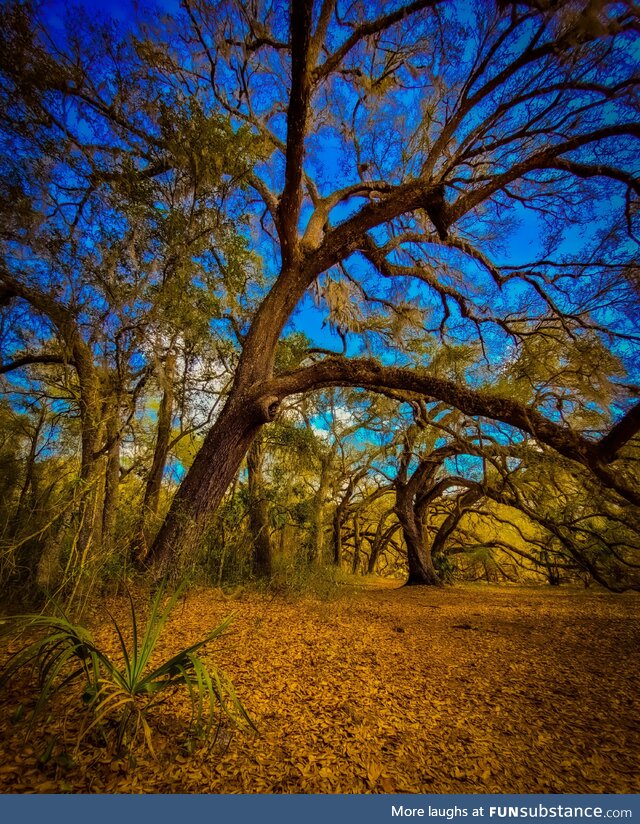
(122, 694)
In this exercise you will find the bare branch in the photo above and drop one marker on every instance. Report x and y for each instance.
(544, 159)
(365, 30)
(27, 360)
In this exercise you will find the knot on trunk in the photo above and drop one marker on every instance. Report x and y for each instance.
(268, 408)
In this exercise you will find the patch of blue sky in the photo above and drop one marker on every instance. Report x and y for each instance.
(312, 320)
(468, 466)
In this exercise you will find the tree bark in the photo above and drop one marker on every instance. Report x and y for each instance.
(29, 473)
(421, 569)
(318, 525)
(337, 537)
(462, 504)
(89, 539)
(214, 468)
(112, 479)
(340, 514)
(380, 543)
(163, 436)
(153, 487)
(355, 565)
(262, 555)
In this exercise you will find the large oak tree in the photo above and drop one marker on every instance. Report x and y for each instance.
(439, 121)
(431, 172)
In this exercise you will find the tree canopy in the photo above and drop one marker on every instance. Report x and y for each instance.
(213, 217)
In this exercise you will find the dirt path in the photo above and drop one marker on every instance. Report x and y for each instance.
(470, 689)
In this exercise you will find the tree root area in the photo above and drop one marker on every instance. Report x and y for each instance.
(469, 689)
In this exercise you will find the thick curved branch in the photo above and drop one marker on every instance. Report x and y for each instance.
(619, 435)
(318, 221)
(586, 170)
(371, 375)
(463, 503)
(27, 360)
(438, 489)
(462, 245)
(349, 236)
(59, 315)
(13, 288)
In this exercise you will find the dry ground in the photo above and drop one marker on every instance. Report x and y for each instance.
(468, 689)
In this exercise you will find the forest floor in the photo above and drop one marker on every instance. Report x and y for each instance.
(469, 689)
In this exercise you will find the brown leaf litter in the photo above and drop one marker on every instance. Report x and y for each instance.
(470, 689)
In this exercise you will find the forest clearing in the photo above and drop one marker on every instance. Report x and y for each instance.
(471, 689)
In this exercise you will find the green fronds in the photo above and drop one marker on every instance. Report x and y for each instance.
(123, 691)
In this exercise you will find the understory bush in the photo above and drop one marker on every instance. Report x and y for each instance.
(122, 694)
(297, 577)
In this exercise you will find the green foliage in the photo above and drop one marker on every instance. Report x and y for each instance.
(122, 695)
(453, 361)
(291, 351)
(445, 568)
(297, 441)
(186, 449)
(578, 378)
(207, 146)
(294, 576)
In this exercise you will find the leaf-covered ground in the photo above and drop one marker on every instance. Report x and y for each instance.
(468, 689)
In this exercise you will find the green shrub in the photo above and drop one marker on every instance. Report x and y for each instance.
(445, 568)
(296, 577)
(122, 696)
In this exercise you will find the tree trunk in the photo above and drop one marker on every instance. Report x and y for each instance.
(421, 569)
(29, 474)
(462, 504)
(229, 439)
(317, 544)
(89, 537)
(340, 514)
(355, 565)
(163, 435)
(111, 481)
(337, 537)
(202, 489)
(379, 545)
(28, 553)
(151, 500)
(258, 513)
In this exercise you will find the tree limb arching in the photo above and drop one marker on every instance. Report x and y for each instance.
(371, 375)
